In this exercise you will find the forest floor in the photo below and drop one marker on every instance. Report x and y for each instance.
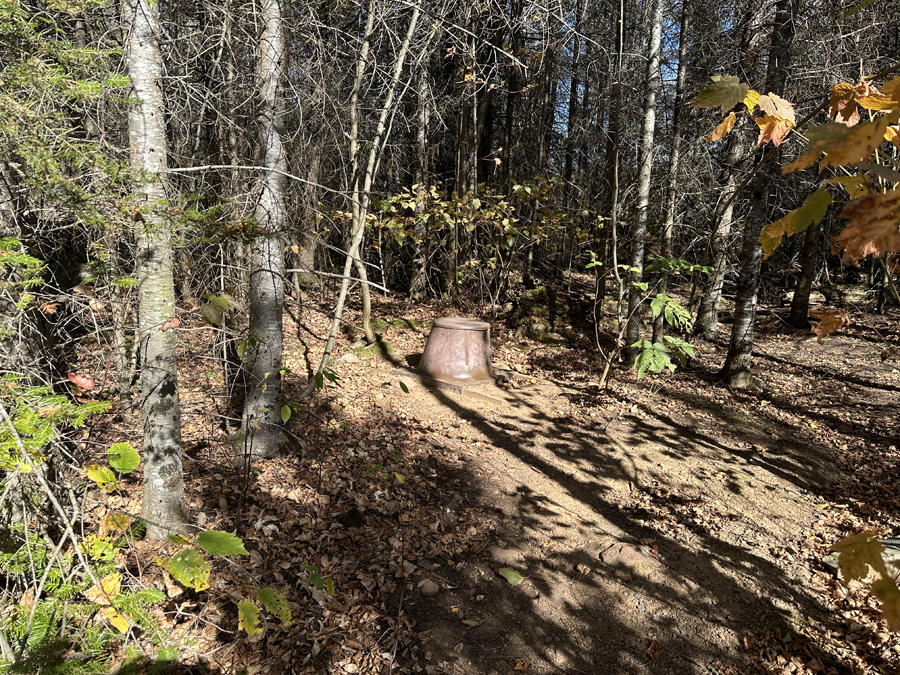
(661, 525)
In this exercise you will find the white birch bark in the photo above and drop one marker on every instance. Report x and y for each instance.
(635, 295)
(261, 434)
(163, 494)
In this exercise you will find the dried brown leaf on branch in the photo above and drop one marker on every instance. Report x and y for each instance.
(830, 320)
(773, 129)
(842, 106)
(842, 145)
(874, 227)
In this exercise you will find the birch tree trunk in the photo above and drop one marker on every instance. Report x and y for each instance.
(736, 369)
(635, 295)
(668, 227)
(261, 434)
(163, 495)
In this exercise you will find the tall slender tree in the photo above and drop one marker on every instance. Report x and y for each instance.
(163, 497)
(261, 434)
(653, 83)
(736, 369)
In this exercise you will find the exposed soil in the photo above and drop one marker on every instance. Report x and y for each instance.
(664, 525)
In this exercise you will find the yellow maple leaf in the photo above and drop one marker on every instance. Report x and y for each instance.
(722, 129)
(774, 105)
(113, 524)
(892, 134)
(813, 210)
(110, 586)
(841, 104)
(842, 145)
(116, 619)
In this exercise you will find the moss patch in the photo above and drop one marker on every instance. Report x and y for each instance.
(377, 348)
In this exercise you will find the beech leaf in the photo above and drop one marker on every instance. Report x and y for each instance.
(216, 542)
(122, 457)
(511, 575)
(725, 92)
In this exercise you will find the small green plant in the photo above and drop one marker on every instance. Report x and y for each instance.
(657, 356)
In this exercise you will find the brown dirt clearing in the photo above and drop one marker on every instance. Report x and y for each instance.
(664, 525)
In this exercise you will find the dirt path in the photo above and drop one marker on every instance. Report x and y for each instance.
(646, 527)
(667, 525)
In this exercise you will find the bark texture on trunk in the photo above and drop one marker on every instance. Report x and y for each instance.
(261, 434)
(163, 495)
(809, 255)
(668, 227)
(635, 295)
(736, 369)
(707, 322)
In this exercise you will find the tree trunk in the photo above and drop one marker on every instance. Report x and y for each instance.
(808, 257)
(707, 323)
(674, 160)
(419, 278)
(163, 498)
(261, 434)
(736, 369)
(635, 294)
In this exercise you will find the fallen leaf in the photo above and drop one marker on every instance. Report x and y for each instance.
(109, 588)
(82, 381)
(513, 577)
(654, 649)
(169, 324)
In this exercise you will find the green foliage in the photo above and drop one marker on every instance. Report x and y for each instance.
(506, 223)
(275, 602)
(123, 458)
(511, 575)
(317, 581)
(189, 568)
(657, 356)
(38, 415)
(49, 84)
(216, 542)
(65, 601)
(248, 617)
(674, 314)
(658, 263)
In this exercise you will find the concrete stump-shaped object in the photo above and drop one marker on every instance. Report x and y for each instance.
(458, 351)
